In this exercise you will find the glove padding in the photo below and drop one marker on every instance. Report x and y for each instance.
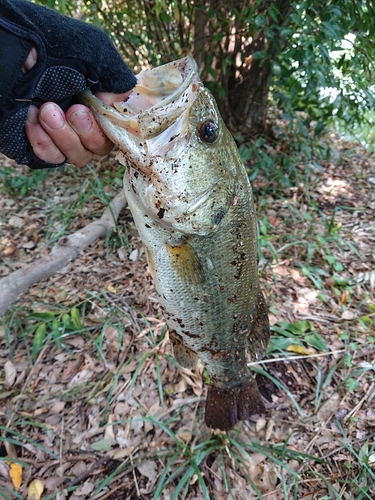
(72, 56)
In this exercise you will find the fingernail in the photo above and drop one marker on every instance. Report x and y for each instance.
(52, 116)
(32, 114)
(81, 121)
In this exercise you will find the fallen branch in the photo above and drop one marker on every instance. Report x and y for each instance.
(62, 253)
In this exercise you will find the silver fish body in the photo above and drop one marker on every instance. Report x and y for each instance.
(193, 206)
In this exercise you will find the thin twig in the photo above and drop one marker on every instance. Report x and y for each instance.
(358, 406)
(110, 492)
(328, 319)
(295, 358)
(67, 249)
(183, 402)
(135, 478)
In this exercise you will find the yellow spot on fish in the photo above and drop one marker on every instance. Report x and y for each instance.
(186, 263)
(151, 264)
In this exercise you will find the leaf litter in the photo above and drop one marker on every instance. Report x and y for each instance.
(100, 409)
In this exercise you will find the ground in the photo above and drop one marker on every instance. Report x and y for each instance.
(93, 404)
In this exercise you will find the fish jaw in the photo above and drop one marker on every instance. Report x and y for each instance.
(138, 126)
(155, 131)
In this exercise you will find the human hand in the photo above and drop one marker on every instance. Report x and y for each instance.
(46, 61)
(74, 137)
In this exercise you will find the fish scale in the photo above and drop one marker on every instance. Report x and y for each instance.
(192, 203)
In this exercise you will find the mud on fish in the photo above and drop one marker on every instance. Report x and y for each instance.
(192, 203)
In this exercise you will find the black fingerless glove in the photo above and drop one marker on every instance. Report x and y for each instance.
(72, 56)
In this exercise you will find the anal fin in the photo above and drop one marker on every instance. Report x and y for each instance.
(184, 356)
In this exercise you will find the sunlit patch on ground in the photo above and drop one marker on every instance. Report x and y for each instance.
(334, 187)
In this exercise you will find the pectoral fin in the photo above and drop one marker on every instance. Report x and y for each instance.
(184, 356)
(186, 263)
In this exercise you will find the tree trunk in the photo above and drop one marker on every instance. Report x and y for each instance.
(249, 97)
(239, 83)
(200, 37)
(248, 100)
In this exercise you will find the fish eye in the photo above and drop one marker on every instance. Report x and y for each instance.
(209, 132)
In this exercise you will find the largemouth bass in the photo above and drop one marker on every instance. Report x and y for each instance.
(192, 203)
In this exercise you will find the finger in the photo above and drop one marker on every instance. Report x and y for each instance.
(42, 144)
(81, 119)
(53, 121)
(31, 60)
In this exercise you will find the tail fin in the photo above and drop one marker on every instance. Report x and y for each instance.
(225, 407)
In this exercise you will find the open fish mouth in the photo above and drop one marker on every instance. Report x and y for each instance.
(154, 123)
(157, 109)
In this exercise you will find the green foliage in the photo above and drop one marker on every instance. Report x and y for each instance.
(326, 69)
(18, 184)
(363, 132)
(53, 325)
(286, 159)
(298, 333)
(63, 6)
(316, 57)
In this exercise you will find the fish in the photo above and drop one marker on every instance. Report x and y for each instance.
(192, 203)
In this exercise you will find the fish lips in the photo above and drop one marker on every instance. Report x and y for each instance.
(161, 98)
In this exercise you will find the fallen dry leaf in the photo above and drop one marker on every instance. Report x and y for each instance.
(328, 408)
(4, 469)
(8, 251)
(10, 449)
(109, 433)
(35, 490)
(15, 473)
(181, 386)
(298, 349)
(148, 469)
(85, 489)
(81, 377)
(10, 373)
(348, 315)
(344, 297)
(16, 221)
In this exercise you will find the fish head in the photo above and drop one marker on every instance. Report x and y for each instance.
(182, 161)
